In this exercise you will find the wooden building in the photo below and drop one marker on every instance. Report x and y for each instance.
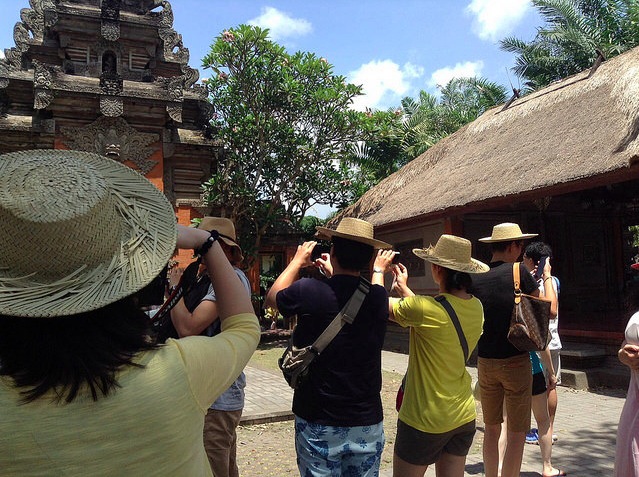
(110, 77)
(561, 162)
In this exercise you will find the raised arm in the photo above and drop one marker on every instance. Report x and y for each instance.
(549, 289)
(231, 296)
(381, 265)
(301, 259)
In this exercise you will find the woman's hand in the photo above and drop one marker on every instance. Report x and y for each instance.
(174, 275)
(629, 355)
(400, 281)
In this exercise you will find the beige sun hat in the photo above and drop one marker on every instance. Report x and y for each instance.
(79, 231)
(452, 252)
(225, 227)
(357, 230)
(506, 232)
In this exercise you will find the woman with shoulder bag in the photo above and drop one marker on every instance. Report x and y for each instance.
(436, 422)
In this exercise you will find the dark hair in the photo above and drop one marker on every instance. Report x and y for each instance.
(536, 250)
(64, 353)
(502, 246)
(455, 280)
(352, 255)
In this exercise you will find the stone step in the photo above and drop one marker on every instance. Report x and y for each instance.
(591, 378)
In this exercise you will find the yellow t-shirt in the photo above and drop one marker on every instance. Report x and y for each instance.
(438, 395)
(150, 426)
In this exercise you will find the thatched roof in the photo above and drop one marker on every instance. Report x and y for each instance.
(575, 129)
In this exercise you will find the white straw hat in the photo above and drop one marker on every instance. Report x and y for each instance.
(506, 232)
(79, 231)
(357, 230)
(452, 252)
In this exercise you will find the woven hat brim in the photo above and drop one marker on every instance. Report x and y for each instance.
(326, 233)
(507, 239)
(474, 266)
(149, 235)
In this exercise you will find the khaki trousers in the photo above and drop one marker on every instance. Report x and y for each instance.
(220, 441)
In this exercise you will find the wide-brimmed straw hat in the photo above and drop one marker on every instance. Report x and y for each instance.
(225, 227)
(452, 252)
(357, 230)
(506, 232)
(79, 231)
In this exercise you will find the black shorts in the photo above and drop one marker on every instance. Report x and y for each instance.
(539, 384)
(422, 448)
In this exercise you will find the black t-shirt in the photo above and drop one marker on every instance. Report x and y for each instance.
(344, 382)
(496, 292)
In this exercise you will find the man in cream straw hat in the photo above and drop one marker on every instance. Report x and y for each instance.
(504, 372)
(84, 391)
(437, 416)
(338, 407)
(197, 313)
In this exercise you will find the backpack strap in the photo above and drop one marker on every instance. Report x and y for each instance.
(441, 299)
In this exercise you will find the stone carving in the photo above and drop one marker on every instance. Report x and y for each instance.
(203, 121)
(110, 30)
(175, 112)
(166, 15)
(42, 75)
(33, 18)
(167, 178)
(4, 103)
(174, 49)
(111, 83)
(191, 75)
(111, 107)
(21, 37)
(115, 138)
(42, 98)
(110, 10)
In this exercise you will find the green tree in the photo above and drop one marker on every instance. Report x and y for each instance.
(397, 136)
(575, 33)
(286, 125)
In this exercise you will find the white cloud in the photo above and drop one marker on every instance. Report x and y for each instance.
(383, 82)
(494, 19)
(1, 54)
(280, 24)
(442, 76)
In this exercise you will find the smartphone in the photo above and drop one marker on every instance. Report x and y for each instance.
(540, 266)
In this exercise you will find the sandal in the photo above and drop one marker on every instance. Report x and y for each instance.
(559, 473)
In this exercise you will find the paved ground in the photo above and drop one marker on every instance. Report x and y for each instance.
(586, 424)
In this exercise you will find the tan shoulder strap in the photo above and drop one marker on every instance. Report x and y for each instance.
(516, 278)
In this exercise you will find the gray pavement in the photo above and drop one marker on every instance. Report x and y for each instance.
(586, 422)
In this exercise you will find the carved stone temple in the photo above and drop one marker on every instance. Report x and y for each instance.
(110, 77)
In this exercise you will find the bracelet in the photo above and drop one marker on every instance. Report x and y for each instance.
(202, 249)
(547, 278)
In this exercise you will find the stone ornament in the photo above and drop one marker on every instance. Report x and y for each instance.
(111, 107)
(114, 137)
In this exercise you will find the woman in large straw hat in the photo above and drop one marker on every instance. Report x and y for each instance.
(436, 421)
(338, 409)
(83, 390)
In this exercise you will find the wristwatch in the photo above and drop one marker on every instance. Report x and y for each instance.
(377, 270)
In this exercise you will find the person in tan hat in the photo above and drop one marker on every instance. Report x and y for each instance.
(436, 421)
(83, 390)
(338, 407)
(197, 313)
(504, 372)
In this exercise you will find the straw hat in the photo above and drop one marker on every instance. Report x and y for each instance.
(353, 229)
(225, 227)
(506, 232)
(452, 252)
(79, 231)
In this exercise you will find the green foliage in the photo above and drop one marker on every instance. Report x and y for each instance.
(574, 31)
(397, 136)
(286, 126)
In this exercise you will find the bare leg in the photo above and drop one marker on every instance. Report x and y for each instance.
(491, 449)
(552, 407)
(540, 410)
(514, 454)
(502, 441)
(450, 465)
(401, 468)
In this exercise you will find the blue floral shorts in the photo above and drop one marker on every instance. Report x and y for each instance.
(331, 451)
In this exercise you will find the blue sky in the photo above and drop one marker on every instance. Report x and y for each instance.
(394, 48)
